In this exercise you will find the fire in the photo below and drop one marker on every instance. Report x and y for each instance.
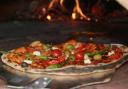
(53, 3)
(62, 4)
(59, 7)
(49, 18)
(77, 10)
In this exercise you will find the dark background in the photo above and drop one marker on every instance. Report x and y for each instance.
(14, 32)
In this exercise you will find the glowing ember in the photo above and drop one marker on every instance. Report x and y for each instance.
(73, 16)
(49, 18)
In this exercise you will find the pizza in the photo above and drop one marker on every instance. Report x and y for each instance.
(38, 57)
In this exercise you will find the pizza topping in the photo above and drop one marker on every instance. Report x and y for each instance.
(20, 50)
(24, 64)
(56, 53)
(78, 45)
(43, 57)
(87, 60)
(36, 44)
(86, 56)
(97, 57)
(71, 58)
(53, 48)
(67, 54)
(28, 61)
(79, 56)
(70, 47)
(47, 47)
(39, 55)
(111, 53)
(14, 57)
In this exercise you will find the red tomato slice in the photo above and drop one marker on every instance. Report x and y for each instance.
(52, 62)
(79, 56)
(56, 53)
(115, 56)
(44, 63)
(80, 49)
(56, 61)
(30, 49)
(118, 54)
(61, 59)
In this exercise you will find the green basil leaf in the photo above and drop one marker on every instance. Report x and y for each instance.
(71, 58)
(47, 47)
(70, 47)
(43, 57)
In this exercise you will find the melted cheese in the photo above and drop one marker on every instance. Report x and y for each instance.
(54, 48)
(28, 61)
(111, 53)
(37, 53)
(86, 59)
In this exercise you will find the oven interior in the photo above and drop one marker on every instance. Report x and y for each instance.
(56, 21)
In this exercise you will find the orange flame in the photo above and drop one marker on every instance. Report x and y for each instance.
(57, 2)
(61, 2)
(77, 10)
(53, 3)
(62, 5)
